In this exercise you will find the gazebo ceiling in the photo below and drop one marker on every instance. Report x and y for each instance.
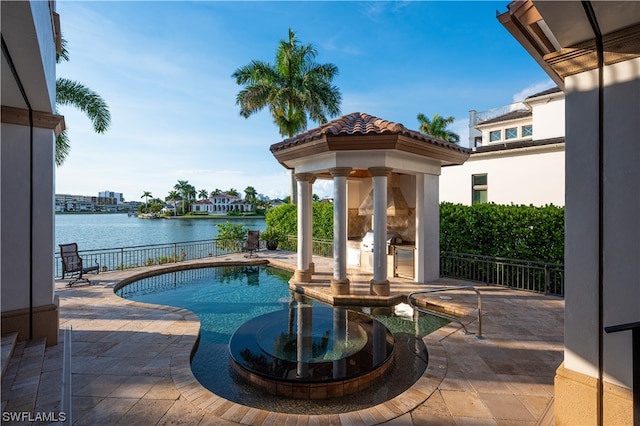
(363, 132)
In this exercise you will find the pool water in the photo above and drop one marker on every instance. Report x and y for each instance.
(226, 297)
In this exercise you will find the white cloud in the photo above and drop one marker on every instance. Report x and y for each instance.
(532, 89)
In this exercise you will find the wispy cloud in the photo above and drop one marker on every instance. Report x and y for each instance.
(533, 89)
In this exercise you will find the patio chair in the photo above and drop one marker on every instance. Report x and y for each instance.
(252, 243)
(72, 264)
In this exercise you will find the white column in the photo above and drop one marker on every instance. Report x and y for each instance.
(302, 273)
(309, 236)
(340, 283)
(427, 229)
(379, 283)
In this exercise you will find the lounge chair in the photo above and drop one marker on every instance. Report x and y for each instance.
(72, 264)
(252, 243)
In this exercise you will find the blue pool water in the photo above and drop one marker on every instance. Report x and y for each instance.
(225, 297)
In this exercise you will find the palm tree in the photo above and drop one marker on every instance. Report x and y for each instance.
(182, 187)
(294, 89)
(437, 127)
(69, 92)
(146, 195)
(250, 194)
(173, 196)
(203, 193)
(216, 192)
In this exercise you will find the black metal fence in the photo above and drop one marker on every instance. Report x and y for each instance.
(540, 277)
(111, 259)
(547, 278)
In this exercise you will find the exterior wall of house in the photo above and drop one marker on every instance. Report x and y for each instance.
(27, 241)
(577, 380)
(519, 176)
(621, 225)
(548, 117)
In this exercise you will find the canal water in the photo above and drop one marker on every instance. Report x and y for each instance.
(115, 230)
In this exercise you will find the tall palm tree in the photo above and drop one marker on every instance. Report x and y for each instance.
(233, 191)
(294, 89)
(203, 193)
(182, 186)
(146, 195)
(437, 127)
(250, 194)
(173, 196)
(69, 92)
(216, 192)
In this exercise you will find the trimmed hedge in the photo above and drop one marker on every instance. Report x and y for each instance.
(512, 231)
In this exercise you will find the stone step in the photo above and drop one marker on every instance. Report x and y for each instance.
(7, 346)
(21, 380)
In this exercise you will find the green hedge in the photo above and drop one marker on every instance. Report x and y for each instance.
(513, 231)
(285, 217)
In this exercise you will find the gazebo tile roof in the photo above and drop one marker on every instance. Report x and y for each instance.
(360, 124)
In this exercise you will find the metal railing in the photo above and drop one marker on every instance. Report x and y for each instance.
(540, 277)
(121, 258)
(447, 317)
(319, 247)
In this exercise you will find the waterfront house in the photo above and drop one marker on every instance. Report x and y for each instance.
(222, 203)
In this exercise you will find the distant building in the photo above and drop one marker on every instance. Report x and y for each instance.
(117, 196)
(222, 203)
(517, 155)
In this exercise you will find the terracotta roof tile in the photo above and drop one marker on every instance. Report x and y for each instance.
(359, 124)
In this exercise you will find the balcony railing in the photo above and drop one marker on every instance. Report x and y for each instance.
(540, 277)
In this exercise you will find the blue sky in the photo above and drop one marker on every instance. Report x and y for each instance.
(165, 70)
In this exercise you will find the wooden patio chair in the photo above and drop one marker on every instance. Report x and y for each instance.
(252, 244)
(72, 264)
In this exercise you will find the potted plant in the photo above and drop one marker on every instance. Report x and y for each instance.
(272, 236)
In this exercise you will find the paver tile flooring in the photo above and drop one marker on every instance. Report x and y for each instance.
(130, 361)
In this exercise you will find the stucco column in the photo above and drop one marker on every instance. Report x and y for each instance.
(380, 283)
(309, 238)
(340, 283)
(302, 273)
(427, 229)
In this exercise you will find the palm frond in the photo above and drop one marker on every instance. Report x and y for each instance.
(63, 147)
(76, 94)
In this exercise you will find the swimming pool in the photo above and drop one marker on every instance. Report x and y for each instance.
(226, 297)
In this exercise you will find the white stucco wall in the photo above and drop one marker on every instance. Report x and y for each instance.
(621, 231)
(548, 118)
(524, 176)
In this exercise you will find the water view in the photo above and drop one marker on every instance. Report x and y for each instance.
(101, 231)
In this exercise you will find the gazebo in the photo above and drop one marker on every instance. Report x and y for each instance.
(385, 183)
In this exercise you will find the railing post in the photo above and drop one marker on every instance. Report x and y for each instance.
(547, 280)
(122, 258)
(175, 253)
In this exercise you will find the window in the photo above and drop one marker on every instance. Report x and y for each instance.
(511, 133)
(527, 131)
(478, 189)
(495, 135)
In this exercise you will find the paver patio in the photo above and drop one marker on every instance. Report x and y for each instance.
(131, 361)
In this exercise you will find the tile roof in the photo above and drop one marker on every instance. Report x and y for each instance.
(513, 115)
(360, 124)
(545, 92)
(517, 144)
